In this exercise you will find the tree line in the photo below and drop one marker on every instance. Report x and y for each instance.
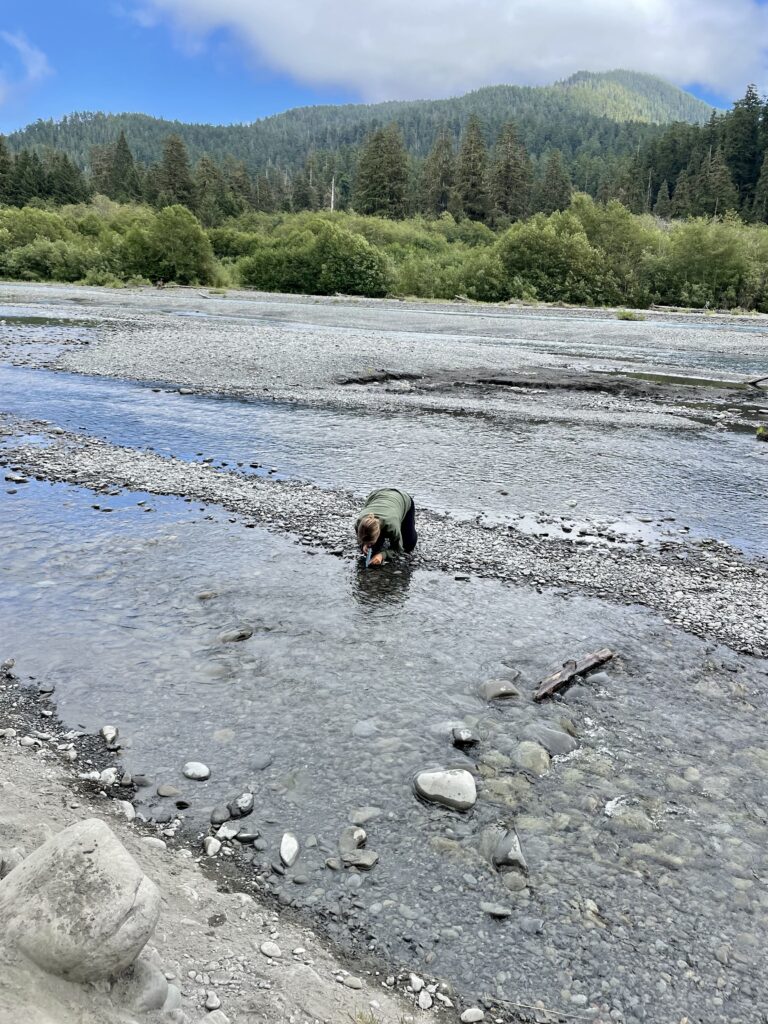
(703, 170)
(687, 170)
(495, 185)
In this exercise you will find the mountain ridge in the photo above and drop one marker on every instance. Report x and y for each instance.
(608, 111)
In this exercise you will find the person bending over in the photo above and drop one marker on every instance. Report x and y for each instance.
(386, 523)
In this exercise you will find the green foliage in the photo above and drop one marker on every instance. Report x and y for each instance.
(629, 314)
(322, 261)
(511, 176)
(173, 248)
(552, 257)
(554, 191)
(472, 172)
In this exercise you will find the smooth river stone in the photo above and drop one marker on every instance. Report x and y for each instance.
(499, 689)
(197, 770)
(451, 787)
(289, 849)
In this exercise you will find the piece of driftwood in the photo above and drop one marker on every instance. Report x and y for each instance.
(756, 382)
(569, 671)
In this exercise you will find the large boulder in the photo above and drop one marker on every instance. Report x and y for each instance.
(80, 906)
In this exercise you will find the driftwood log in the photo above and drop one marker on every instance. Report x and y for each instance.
(569, 671)
(756, 382)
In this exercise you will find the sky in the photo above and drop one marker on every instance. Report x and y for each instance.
(225, 61)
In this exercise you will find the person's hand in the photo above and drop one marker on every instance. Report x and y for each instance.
(377, 559)
(365, 548)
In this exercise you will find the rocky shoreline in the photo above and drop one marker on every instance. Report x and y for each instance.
(220, 951)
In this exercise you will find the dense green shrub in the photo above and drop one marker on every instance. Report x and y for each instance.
(552, 255)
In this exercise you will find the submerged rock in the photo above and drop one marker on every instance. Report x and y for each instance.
(499, 689)
(464, 738)
(197, 770)
(242, 806)
(80, 906)
(555, 741)
(451, 787)
(532, 757)
(234, 636)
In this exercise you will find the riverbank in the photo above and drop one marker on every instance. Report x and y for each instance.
(211, 930)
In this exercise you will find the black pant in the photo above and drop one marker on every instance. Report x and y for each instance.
(408, 529)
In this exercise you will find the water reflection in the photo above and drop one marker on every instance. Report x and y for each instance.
(384, 585)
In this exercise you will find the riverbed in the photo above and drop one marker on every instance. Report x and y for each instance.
(351, 682)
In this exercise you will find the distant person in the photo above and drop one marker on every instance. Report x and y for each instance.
(386, 523)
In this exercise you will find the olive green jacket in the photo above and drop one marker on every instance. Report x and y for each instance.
(390, 506)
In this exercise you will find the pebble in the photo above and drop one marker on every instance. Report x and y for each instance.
(425, 1000)
(463, 738)
(166, 789)
(157, 844)
(495, 910)
(508, 852)
(197, 770)
(211, 845)
(126, 808)
(242, 806)
(452, 787)
(289, 849)
(271, 949)
(234, 636)
(109, 733)
(416, 983)
(351, 982)
(212, 1001)
(472, 1015)
(364, 814)
(229, 830)
(220, 814)
(217, 1017)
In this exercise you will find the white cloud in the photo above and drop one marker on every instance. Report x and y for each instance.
(408, 48)
(34, 64)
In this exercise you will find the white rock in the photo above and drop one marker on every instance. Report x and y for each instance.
(425, 1000)
(197, 770)
(211, 845)
(154, 842)
(144, 989)
(289, 849)
(217, 1017)
(79, 906)
(109, 732)
(452, 787)
(472, 1015)
(416, 983)
(271, 950)
(126, 807)
(212, 1001)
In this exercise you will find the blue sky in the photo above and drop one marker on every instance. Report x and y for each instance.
(223, 61)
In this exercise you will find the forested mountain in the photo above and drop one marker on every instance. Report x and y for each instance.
(586, 117)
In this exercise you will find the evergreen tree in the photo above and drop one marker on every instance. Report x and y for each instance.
(64, 183)
(717, 193)
(682, 200)
(264, 197)
(472, 171)
(742, 143)
(6, 170)
(438, 176)
(122, 178)
(239, 184)
(663, 205)
(27, 178)
(303, 195)
(210, 192)
(382, 174)
(175, 186)
(511, 176)
(555, 188)
(760, 205)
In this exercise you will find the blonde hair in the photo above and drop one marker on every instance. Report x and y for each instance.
(368, 530)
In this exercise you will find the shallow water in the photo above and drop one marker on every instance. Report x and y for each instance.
(714, 482)
(351, 683)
